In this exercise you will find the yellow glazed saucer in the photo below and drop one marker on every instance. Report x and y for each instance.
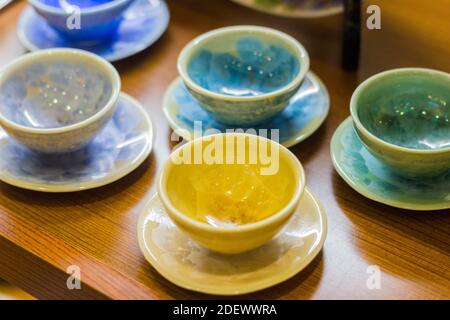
(182, 261)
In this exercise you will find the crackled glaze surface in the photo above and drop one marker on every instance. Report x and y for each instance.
(411, 110)
(243, 113)
(185, 263)
(370, 177)
(122, 145)
(247, 66)
(142, 24)
(55, 93)
(306, 111)
(243, 75)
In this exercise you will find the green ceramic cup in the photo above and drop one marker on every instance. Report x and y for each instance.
(403, 118)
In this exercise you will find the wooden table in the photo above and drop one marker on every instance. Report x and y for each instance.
(42, 234)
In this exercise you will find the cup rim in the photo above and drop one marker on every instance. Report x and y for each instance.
(36, 56)
(366, 83)
(274, 218)
(301, 54)
(94, 9)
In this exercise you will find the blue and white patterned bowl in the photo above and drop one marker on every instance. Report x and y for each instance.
(243, 75)
(142, 24)
(56, 100)
(98, 19)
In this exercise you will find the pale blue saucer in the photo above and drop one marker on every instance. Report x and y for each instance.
(143, 23)
(118, 149)
(371, 178)
(306, 111)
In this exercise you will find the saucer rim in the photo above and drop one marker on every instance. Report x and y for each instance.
(30, 46)
(294, 140)
(96, 183)
(306, 14)
(148, 255)
(336, 148)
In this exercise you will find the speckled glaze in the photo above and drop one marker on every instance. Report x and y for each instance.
(403, 117)
(57, 100)
(142, 23)
(304, 114)
(243, 75)
(98, 21)
(117, 150)
(252, 68)
(374, 180)
(54, 94)
(182, 261)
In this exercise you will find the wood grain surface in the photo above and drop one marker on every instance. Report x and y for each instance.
(42, 234)
(11, 292)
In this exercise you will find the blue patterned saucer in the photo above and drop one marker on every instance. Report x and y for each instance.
(306, 111)
(371, 178)
(124, 143)
(144, 22)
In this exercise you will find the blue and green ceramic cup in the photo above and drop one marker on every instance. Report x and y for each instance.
(243, 75)
(403, 118)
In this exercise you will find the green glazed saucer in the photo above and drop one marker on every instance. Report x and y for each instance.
(371, 178)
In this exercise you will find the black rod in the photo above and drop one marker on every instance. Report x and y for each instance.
(351, 37)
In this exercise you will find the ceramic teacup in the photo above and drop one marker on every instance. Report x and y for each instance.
(226, 202)
(403, 118)
(56, 100)
(243, 75)
(82, 20)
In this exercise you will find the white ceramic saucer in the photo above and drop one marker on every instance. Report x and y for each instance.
(124, 143)
(182, 261)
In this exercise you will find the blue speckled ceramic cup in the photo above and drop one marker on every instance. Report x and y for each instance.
(243, 75)
(57, 100)
(98, 19)
(403, 118)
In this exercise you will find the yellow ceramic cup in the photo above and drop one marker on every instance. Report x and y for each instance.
(193, 175)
